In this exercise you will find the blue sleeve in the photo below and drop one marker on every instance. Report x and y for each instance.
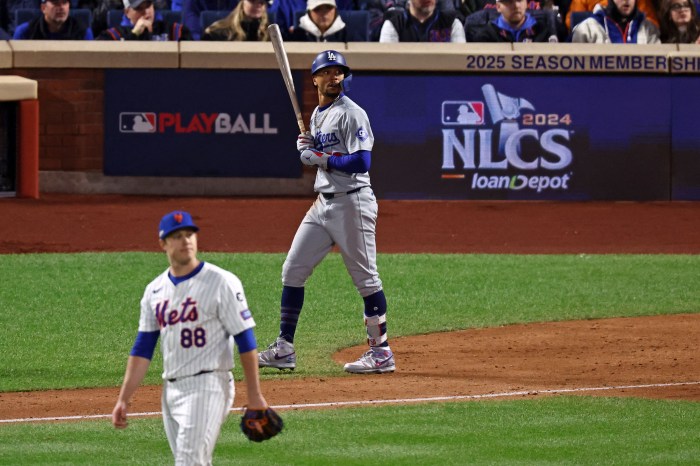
(245, 341)
(21, 31)
(145, 344)
(357, 162)
(88, 34)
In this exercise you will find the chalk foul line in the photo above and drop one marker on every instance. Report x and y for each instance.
(377, 402)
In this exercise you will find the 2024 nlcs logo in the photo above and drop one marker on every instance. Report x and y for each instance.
(473, 148)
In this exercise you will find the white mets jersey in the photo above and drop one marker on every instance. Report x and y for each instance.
(197, 319)
(341, 129)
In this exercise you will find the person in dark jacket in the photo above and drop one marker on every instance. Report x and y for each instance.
(422, 21)
(145, 26)
(54, 23)
(513, 24)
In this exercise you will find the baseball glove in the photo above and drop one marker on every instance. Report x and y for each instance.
(261, 424)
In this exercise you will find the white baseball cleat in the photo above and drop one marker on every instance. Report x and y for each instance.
(374, 361)
(279, 355)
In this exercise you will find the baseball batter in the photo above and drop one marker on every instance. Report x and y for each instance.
(198, 310)
(344, 214)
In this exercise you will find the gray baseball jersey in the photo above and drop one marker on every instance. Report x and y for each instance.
(197, 320)
(341, 129)
(346, 220)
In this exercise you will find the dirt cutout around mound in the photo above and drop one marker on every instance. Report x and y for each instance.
(654, 357)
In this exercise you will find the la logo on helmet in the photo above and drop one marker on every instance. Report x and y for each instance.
(331, 56)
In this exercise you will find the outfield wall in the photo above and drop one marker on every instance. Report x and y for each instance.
(451, 121)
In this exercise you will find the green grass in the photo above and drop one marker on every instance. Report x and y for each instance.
(69, 320)
(554, 430)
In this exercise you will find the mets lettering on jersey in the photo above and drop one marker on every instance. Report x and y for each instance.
(188, 313)
(196, 318)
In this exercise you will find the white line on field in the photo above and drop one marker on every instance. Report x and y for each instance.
(376, 402)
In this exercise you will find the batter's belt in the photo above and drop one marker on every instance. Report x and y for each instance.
(328, 196)
(193, 375)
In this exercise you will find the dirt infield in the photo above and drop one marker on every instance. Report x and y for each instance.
(531, 359)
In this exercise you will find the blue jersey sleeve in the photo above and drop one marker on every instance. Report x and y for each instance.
(357, 162)
(145, 344)
(246, 341)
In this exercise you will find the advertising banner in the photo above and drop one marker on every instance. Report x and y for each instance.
(685, 139)
(190, 123)
(518, 137)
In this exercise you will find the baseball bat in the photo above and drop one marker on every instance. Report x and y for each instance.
(283, 62)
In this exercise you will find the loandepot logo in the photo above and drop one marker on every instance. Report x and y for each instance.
(203, 123)
(530, 146)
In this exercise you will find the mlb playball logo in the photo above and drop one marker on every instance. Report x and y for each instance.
(137, 122)
(462, 112)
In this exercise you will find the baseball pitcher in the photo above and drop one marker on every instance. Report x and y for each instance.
(198, 310)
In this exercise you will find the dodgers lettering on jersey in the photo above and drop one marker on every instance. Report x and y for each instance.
(345, 129)
(197, 319)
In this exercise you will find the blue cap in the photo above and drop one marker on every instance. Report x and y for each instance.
(173, 221)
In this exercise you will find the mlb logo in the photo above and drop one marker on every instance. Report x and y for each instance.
(462, 112)
(137, 122)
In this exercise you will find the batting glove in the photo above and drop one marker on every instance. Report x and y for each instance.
(305, 141)
(313, 157)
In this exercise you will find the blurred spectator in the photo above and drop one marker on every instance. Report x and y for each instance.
(513, 24)
(560, 7)
(284, 14)
(679, 22)
(321, 23)
(55, 23)
(7, 12)
(463, 8)
(247, 22)
(285, 11)
(381, 10)
(101, 8)
(618, 23)
(192, 9)
(144, 25)
(538, 9)
(422, 22)
(378, 12)
(647, 6)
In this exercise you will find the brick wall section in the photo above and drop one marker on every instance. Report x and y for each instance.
(71, 117)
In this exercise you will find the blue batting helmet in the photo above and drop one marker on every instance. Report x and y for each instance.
(330, 58)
